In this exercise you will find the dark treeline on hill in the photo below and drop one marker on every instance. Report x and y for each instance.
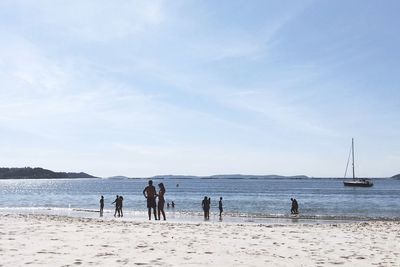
(38, 173)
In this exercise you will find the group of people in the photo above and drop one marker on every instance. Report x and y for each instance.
(118, 206)
(206, 205)
(151, 194)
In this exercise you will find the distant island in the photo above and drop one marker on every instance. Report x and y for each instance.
(218, 176)
(39, 173)
(396, 176)
(118, 177)
(230, 176)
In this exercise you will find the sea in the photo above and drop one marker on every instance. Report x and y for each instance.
(255, 200)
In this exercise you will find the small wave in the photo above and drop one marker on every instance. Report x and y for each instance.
(85, 210)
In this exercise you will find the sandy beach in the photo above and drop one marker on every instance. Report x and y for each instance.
(46, 240)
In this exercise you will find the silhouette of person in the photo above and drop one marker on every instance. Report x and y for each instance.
(101, 206)
(220, 207)
(120, 201)
(205, 204)
(150, 194)
(116, 205)
(295, 206)
(173, 204)
(161, 201)
(209, 207)
(168, 205)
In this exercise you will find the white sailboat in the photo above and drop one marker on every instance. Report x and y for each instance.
(360, 182)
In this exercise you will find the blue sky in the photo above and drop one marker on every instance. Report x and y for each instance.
(142, 88)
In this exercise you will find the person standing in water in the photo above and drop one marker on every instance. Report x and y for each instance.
(120, 201)
(150, 194)
(101, 206)
(295, 206)
(116, 206)
(220, 207)
(205, 204)
(161, 201)
(209, 207)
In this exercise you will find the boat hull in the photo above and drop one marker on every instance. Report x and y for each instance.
(358, 183)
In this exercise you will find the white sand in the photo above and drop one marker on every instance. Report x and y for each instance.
(43, 240)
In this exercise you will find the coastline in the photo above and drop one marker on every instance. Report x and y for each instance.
(51, 240)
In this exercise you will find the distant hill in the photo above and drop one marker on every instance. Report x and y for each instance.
(229, 176)
(38, 173)
(396, 176)
(118, 177)
(272, 176)
(169, 176)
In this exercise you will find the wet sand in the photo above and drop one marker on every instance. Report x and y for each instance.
(47, 240)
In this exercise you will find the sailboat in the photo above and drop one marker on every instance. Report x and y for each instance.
(356, 181)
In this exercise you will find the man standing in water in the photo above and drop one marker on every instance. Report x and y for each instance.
(295, 206)
(220, 208)
(116, 206)
(150, 194)
(101, 206)
(205, 204)
(120, 201)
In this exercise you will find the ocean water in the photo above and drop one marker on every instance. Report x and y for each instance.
(258, 198)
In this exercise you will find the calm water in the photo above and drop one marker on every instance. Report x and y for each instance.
(255, 197)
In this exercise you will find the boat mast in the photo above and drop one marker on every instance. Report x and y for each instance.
(352, 149)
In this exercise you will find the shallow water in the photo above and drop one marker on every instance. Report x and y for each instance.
(243, 198)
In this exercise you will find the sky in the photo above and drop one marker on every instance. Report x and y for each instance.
(143, 88)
